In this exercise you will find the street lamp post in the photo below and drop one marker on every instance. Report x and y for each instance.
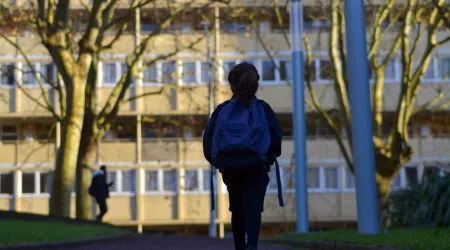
(212, 218)
(359, 93)
(301, 193)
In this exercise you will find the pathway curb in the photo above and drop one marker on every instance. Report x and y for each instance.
(65, 244)
(324, 245)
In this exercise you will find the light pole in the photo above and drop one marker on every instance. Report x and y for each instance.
(212, 217)
(359, 92)
(301, 192)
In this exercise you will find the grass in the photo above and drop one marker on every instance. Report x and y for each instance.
(414, 239)
(16, 231)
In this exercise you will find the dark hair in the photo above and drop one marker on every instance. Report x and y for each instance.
(103, 167)
(243, 79)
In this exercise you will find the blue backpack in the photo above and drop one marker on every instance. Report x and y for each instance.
(241, 139)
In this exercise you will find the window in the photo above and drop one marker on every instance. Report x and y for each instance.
(109, 73)
(186, 28)
(205, 72)
(8, 132)
(273, 179)
(45, 182)
(429, 73)
(349, 179)
(227, 67)
(123, 69)
(7, 76)
(128, 181)
(285, 70)
(191, 182)
(148, 27)
(411, 175)
(170, 180)
(249, 62)
(331, 177)
(48, 73)
(28, 183)
(111, 176)
(6, 183)
(444, 67)
(326, 70)
(189, 72)
(207, 180)
(268, 71)
(236, 27)
(430, 172)
(151, 180)
(168, 72)
(389, 71)
(150, 74)
(396, 183)
(313, 175)
(287, 178)
(28, 77)
(264, 26)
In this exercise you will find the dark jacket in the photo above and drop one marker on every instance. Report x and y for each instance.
(99, 188)
(274, 128)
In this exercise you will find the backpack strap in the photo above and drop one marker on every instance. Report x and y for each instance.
(211, 184)
(280, 194)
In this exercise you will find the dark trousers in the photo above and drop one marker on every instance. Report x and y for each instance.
(246, 194)
(103, 209)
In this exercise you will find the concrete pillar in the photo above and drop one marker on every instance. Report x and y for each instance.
(140, 176)
(181, 211)
(17, 190)
(138, 89)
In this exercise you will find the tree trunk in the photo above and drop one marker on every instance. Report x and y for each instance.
(86, 156)
(66, 158)
(383, 188)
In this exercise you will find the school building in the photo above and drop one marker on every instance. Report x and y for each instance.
(158, 137)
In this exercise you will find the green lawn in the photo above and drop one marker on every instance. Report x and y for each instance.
(13, 231)
(426, 239)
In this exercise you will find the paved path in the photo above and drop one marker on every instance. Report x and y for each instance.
(167, 242)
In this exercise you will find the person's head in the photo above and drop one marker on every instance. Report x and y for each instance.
(243, 79)
(103, 168)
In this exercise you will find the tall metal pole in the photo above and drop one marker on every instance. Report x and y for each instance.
(359, 92)
(301, 192)
(212, 217)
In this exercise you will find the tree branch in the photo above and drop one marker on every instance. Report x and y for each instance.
(47, 104)
(315, 105)
(340, 85)
(144, 95)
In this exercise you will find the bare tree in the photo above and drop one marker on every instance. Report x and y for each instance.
(77, 56)
(409, 25)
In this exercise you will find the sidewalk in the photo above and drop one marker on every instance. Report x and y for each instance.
(167, 242)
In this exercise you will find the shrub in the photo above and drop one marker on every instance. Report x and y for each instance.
(422, 205)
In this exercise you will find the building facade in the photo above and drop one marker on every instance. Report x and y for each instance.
(157, 138)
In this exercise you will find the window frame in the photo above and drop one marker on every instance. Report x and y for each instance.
(37, 184)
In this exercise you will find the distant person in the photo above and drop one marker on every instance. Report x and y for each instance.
(100, 190)
(243, 139)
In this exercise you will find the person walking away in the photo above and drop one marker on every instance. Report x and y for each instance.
(242, 139)
(100, 190)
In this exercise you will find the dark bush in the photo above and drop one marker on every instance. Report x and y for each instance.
(422, 205)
